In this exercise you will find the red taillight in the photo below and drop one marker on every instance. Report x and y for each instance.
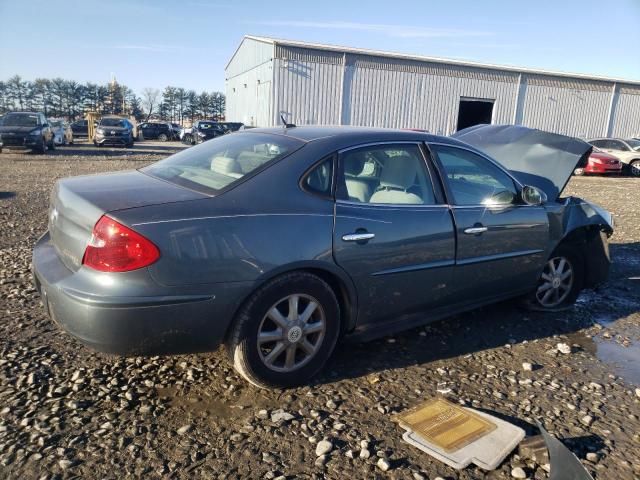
(116, 248)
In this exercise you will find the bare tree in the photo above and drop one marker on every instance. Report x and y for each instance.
(150, 100)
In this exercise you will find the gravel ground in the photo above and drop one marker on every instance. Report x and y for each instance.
(67, 412)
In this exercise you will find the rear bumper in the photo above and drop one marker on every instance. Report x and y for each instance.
(134, 325)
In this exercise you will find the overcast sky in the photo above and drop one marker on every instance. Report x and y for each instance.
(188, 43)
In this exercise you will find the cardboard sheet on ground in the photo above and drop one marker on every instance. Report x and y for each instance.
(459, 436)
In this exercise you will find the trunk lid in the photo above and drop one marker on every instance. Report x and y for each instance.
(77, 203)
(540, 159)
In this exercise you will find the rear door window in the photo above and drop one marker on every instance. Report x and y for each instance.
(386, 174)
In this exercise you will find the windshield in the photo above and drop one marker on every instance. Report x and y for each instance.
(208, 125)
(20, 120)
(112, 122)
(635, 144)
(218, 163)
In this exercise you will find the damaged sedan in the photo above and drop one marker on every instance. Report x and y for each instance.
(278, 242)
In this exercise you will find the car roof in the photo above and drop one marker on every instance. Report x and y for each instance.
(349, 134)
(606, 138)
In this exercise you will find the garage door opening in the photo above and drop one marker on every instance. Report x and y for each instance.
(473, 112)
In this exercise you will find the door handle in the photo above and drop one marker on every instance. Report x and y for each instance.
(358, 237)
(475, 230)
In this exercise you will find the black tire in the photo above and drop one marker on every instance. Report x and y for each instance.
(52, 145)
(98, 145)
(573, 256)
(162, 137)
(42, 149)
(242, 343)
(634, 168)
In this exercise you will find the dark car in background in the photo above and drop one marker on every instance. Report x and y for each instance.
(80, 128)
(114, 131)
(29, 130)
(204, 130)
(278, 241)
(162, 131)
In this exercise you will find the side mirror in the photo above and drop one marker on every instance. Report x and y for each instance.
(533, 196)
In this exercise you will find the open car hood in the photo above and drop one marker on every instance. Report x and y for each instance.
(540, 159)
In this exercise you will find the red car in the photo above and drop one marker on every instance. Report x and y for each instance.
(601, 163)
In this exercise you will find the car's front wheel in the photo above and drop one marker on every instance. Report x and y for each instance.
(162, 137)
(560, 282)
(286, 331)
(634, 168)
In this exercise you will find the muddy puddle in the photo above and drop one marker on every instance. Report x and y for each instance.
(617, 344)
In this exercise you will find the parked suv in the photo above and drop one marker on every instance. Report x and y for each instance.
(114, 131)
(204, 130)
(26, 130)
(162, 131)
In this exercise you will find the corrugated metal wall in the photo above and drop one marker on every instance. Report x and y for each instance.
(626, 112)
(578, 108)
(307, 87)
(249, 84)
(323, 87)
(384, 97)
(250, 54)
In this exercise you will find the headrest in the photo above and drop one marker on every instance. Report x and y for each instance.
(226, 165)
(399, 172)
(354, 163)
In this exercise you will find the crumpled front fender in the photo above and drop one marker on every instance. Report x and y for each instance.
(587, 226)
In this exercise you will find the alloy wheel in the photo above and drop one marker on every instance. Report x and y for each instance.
(555, 282)
(291, 333)
(635, 168)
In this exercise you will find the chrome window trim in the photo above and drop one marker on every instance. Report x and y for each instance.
(386, 142)
(391, 205)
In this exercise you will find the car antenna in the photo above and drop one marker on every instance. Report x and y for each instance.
(286, 125)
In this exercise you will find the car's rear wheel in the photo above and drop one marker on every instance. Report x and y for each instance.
(560, 282)
(162, 137)
(286, 331)
(634, 168)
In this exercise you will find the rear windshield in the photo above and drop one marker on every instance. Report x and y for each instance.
(218, 163)
(20, 120)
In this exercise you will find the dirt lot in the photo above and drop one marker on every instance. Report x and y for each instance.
(66, 412)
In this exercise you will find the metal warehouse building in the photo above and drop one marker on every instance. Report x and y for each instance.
(328, 85)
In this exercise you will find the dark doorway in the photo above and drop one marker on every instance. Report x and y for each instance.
(473, 112)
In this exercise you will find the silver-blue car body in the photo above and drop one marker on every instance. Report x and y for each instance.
(277, 242)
